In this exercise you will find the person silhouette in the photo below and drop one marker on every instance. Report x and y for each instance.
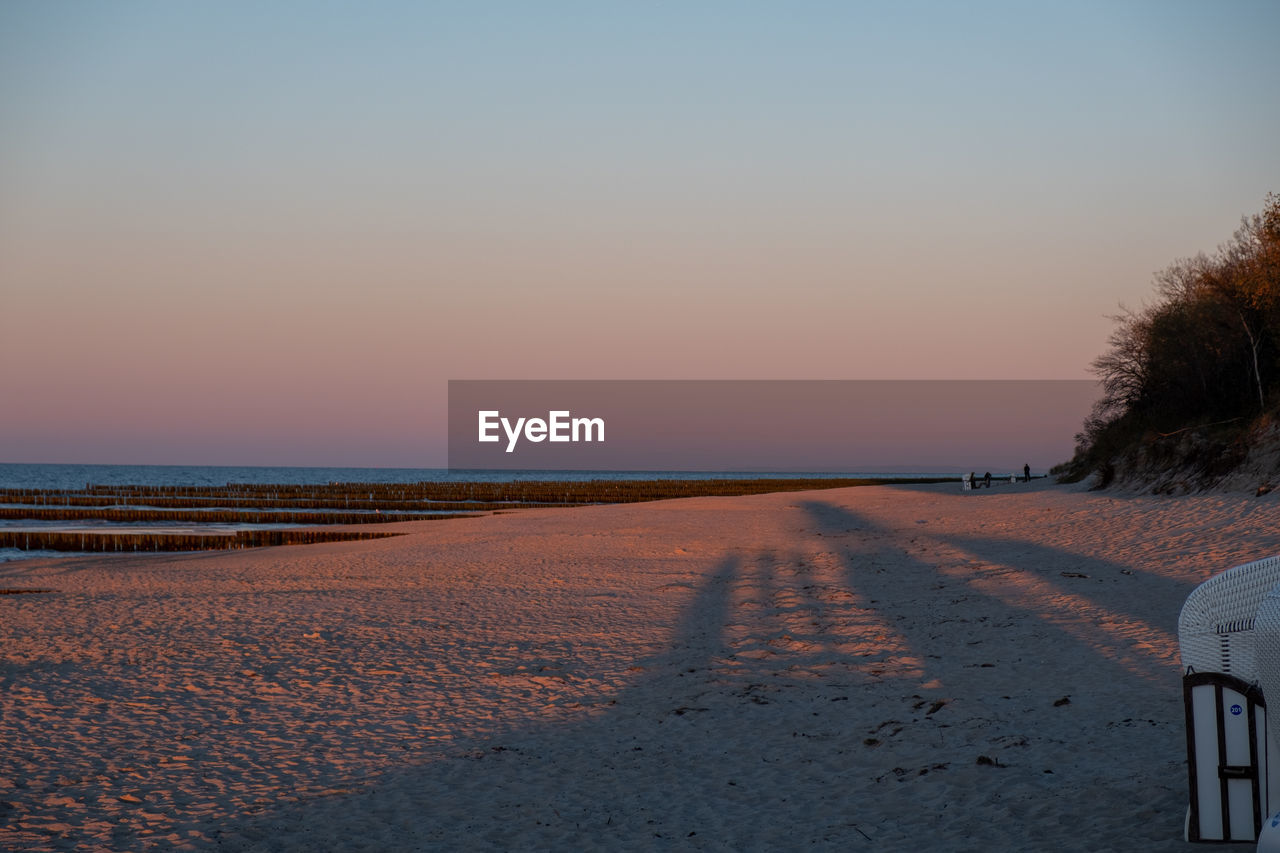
(986, 479)
(1026, 473)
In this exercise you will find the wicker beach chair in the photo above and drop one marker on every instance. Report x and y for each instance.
(1267, 654)
(1215, 628)
(1231, 789)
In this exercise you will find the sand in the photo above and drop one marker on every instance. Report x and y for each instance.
(883, 668)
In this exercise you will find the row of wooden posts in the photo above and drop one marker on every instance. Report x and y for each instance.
(62, 540)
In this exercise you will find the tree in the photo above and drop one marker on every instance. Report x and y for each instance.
(1206, 351)
(1246, 275)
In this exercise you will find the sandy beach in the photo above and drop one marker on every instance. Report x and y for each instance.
(880, 668)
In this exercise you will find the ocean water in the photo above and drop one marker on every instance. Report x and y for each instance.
(12, 554)
(66, 477)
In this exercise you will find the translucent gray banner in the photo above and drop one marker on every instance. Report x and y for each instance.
(765, 425)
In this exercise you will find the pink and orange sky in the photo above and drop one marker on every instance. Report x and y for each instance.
(270, 233)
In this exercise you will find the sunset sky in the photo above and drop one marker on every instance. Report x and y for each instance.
(269, 233)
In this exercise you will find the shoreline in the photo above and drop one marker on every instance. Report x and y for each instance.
(169, 518)
(878, 666)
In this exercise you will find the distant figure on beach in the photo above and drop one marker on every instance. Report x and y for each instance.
(1026, 473)
(986, 479)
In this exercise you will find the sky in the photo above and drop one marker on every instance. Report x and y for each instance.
(270, 233)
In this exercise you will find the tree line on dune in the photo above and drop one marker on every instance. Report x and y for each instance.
(1192, 381)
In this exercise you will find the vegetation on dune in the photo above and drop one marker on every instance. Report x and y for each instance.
(1191, 383)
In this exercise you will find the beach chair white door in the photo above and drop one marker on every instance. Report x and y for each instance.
(1227, 757)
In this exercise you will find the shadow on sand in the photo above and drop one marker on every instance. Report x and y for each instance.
(862, 688)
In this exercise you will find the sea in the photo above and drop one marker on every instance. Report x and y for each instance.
(63, 476)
